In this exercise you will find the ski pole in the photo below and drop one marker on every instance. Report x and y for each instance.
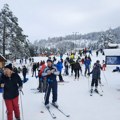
(100, 84)
(105, 78)
(101, 87)
(21, 104)
(22, 92)
(88, 82)
(2, 104)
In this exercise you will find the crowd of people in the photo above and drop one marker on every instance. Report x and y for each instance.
(46, 73)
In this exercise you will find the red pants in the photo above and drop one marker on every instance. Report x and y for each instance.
(104, 67)
(12, 105)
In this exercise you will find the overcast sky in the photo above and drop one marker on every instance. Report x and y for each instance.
(48, 18)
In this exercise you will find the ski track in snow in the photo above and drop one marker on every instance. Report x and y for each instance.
(74, 98)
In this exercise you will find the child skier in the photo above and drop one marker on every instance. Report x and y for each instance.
(95, 76)
(103, 66)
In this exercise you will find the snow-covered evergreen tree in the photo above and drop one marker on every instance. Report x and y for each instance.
(12, 38)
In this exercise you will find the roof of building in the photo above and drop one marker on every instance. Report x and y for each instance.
(2, 57)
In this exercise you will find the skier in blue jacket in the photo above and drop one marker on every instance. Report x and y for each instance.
(87, 63)
(59, 68)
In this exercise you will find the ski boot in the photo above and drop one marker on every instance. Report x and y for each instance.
(55, 104)
(47, 106)
(91, 91)
(96, 91)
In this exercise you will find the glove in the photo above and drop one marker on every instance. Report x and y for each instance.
(53, 70)
(2, 85)
(20, 88)
(49, 73)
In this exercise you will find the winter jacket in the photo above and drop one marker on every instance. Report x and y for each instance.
(34, 67)
(24, 71)
(87, 62)
(59, 66)
(41, 70)
(66, 63)
(77, 66)
(72, 56)
(72, 61)
(52, 77)
(11, 86)
(96, 71)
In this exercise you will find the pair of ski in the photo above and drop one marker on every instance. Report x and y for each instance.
(53, 115)
(91, 93)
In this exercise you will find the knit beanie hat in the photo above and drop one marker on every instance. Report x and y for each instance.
(9, 66)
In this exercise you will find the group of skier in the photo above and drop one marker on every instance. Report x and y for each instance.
(47, 74)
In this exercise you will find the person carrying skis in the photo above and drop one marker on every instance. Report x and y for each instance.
(11, 83)
(95, 76)
(50, 73)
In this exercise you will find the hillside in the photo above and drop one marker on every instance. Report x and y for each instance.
(70, 42)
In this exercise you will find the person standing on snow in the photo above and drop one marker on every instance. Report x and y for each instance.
(42, 80)
(51, 73)
(24, 72)
(95, 76)
(97, 52)
(87, 63)
(34, 68)
(77, 69)
(11, 83)
(59, 68)
(72, 63)
(66, 65)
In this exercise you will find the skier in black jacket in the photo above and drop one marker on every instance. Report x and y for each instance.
(24, 72)
(11, 83)
(34, 68)
(77, 69)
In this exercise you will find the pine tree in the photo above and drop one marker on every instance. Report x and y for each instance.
(11, 35)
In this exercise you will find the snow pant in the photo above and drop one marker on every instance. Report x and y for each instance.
(87, 69)
(66, 71)
(77, 74)
(42, 84)
(72, 69)
(51, 86)
(12, 105)
(94, 82)
(34, 72)
(60, 77)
